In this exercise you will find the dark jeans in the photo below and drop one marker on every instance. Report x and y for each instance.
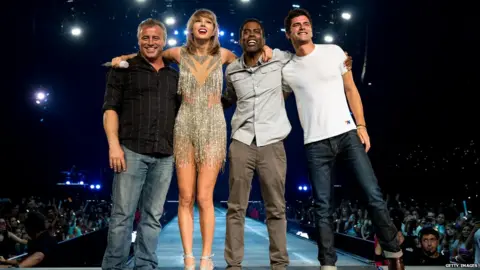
(348, 149)
(145, 183)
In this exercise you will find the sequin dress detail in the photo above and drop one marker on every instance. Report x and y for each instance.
(200, 127)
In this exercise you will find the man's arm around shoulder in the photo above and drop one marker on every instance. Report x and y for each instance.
(283, 56)
(229, 98)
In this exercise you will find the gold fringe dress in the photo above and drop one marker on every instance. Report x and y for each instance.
(200, 134)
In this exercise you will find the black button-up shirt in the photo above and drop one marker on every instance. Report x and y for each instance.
(146, 102)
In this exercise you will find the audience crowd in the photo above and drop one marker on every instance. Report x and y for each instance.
(428, 236)
(64, 219)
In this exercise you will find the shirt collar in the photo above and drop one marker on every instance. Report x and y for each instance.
(244, 65)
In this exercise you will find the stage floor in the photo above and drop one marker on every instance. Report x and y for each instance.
(302, 252)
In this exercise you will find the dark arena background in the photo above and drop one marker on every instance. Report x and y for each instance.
(414, 63)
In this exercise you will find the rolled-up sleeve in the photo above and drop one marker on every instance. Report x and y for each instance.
(114, 91)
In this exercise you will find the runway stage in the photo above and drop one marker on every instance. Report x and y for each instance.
(302, 252)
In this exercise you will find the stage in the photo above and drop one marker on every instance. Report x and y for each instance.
(302, 252)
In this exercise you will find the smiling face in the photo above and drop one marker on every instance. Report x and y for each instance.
(466, 231)
(151, 41)
(203, 28)
(202, 25)
(252, 39)
(300, 31)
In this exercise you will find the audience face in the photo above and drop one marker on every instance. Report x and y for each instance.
(441, 219)
(429, 244)
(416, 215)
(3, 225)
(466, 231)
(450, 230)
(360, 213)
(13, 223)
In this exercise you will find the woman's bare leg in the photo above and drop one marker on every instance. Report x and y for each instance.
(207, 178)
(186, 177)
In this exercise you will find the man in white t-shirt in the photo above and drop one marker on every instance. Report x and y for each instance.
(322, 85)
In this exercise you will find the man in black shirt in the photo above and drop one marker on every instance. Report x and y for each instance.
(140, 106)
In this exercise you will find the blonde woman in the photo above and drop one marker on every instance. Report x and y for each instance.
(200, 135)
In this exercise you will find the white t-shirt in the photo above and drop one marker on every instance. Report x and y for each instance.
(316, 79)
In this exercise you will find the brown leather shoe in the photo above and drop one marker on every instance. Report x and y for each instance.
(396, 264)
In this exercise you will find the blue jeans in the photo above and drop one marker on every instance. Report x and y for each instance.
(145, 183)
(347, 149)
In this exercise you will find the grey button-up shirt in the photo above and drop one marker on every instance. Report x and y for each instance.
(258, 93)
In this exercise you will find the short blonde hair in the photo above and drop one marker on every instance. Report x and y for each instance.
(151, 23)
(214, 47)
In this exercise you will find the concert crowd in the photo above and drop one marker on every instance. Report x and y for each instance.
(428, 235)
(64, 219)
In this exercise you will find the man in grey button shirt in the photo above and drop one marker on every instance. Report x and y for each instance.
(259, 125)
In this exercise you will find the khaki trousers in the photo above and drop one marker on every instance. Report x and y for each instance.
(270, 163)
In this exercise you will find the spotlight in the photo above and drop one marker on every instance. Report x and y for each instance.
(170, 21)
(346, 16)
(172, 42)
(76, 31)
(328, 38)
(41, 96)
